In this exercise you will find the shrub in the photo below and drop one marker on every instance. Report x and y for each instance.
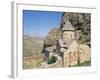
(52, 60)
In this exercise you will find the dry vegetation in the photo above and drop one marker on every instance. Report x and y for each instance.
(33, 46)
(32, 61)
(32, 52)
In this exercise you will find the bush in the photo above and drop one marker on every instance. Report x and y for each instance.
(52, 60)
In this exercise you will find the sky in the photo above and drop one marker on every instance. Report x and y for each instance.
(39, 23)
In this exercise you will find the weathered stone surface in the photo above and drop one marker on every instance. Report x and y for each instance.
(85, 53)
(71, 55)
(52, 36)
(72, 37)
(81, 23)
(77, 55)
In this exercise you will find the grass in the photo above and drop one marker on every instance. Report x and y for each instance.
(87, 63)
(31, 63)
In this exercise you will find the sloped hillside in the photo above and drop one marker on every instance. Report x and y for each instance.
(52, 36)
(32, 45)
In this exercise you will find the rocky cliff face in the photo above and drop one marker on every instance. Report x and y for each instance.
(81, 23)
(52, 36)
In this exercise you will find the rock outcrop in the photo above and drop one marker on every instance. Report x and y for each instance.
(72, 39)
(52, 37)
(81, 23)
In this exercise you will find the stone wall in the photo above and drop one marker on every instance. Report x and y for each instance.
(77, 56)
(71, 55)
(85, 53)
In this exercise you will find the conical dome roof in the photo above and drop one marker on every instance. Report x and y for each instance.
(67, 26)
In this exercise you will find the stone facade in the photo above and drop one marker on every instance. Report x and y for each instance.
(71, 55)
(85, 53)
(77, 54)
(72, 52)
(68, 50)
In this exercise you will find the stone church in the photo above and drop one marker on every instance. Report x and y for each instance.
(71, 52)
(67, 47)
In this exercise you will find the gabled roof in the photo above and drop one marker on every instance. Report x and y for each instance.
(61, 42)
(68, 26)
(50, 48)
